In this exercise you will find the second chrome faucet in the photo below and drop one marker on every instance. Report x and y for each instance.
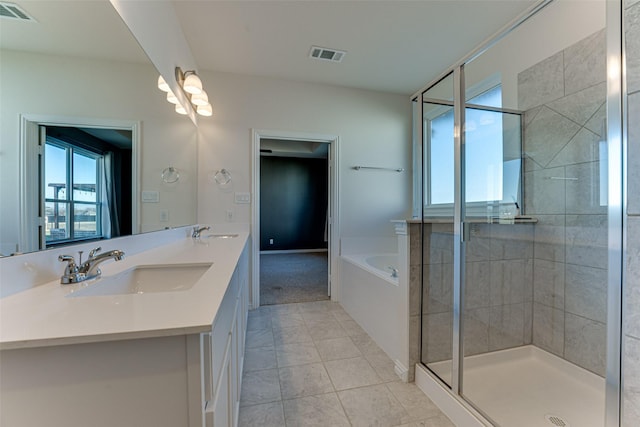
(74, 273)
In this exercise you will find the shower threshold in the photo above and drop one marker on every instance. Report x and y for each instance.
(529, 387)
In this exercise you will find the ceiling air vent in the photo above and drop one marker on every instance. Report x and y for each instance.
(324, 54)
(13, 11)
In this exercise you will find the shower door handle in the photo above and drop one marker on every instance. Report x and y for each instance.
(465, 236)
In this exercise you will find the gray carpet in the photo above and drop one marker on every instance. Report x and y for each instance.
(296, 277)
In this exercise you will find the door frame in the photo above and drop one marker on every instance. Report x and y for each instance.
(333, 217)
(29, 141)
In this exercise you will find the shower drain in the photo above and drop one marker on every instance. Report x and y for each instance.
(556, 420)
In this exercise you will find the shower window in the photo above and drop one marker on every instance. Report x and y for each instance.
(493, 169)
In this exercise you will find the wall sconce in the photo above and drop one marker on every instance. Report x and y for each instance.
(191, 85)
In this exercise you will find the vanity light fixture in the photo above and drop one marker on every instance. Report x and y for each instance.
(191, 85)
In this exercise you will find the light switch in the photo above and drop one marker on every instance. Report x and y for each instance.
(242, 198)
(150, 196)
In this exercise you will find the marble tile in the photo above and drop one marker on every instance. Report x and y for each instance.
(351, 373)
(292, 335)
(628, 3)
(351, 328)
(541, 83)
(414, 340)
(547, 135)
(544, 191)
(479, 247)
(548, 328)
(586, 292)
(597, 122)
(437, 421)
(478, 284)
(583, 192)
(372, 406)
(415, 288)
(264, 415)
(322, 330)
(260, 358)
(633, 147)
(632, 41)
(296, 354)
(414, 401)
(286, 320)
(581, 106)
(549, 238)
(587, 240)
(506, 326)
(508, 242)
(583, 147)
(304, 380)
(528, 323)
(259, 338)
(438, 289)
(337, 348)
(437, 341)
(476, 331)
(507, 285)
(530, 114)
(631, 386)
(548, 283)
(341, 315)
(315, 411)
(632, 288)
(585, 343)
(260, 387)
(585, 63)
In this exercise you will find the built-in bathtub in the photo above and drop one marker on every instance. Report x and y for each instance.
(380, 265)
(377, 300)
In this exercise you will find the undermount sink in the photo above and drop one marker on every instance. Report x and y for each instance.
(221, 236)
(144, 279)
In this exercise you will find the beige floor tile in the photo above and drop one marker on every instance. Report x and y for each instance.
(304, 380)
(292, 335)
(264, 415)
(260, 358)
(315, 411)
(286, 320)
(296, 354)
(337, 348)
(352, 328)
(437, 421)
(351, 373)
(372, 406)
(258, 322)
(326, 329)
(414, 401)
(260, 387)
(259, 338)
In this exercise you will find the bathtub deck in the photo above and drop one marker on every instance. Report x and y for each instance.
(519, 387)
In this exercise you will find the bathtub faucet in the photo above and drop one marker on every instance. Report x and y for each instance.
(394, 271)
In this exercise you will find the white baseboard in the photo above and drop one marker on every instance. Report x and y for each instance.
(401, 370)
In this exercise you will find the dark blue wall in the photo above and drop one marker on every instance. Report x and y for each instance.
(293, 203)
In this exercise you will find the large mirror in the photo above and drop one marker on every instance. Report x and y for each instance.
(89, 148)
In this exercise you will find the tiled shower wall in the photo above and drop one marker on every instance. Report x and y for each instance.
(631, 320)
(563, 98)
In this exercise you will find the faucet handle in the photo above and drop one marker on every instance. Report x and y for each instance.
(94, 252)
(67, 258)
(71, 264)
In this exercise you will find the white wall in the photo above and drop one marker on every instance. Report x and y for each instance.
(51, 85)
(374, 130)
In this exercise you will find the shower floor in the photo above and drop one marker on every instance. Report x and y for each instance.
(520, 387)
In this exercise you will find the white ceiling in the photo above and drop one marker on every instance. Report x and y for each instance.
(392, 45)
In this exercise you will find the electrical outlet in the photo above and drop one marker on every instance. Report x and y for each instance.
(271, 241)
(229, 216)
(164, 215)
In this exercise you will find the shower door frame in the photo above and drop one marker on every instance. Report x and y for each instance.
(616, 142)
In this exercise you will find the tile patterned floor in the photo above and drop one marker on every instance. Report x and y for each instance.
(310, 364)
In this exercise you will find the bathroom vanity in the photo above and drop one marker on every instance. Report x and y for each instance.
(113, 353)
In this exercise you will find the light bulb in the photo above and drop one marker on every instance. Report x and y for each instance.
(205, 110)
(200, 99)
(180, 109)
(172, 98)
(192, 84)
(162, 85)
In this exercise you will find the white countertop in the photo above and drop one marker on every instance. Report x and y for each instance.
(45, 316)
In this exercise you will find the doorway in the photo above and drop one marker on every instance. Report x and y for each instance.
(293, 218)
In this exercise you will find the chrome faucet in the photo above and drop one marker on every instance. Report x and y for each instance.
(394, 271)
(197, 231)
(74, 273)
